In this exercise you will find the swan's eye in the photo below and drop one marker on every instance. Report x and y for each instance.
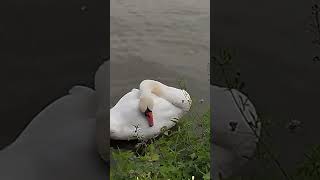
(182, 101)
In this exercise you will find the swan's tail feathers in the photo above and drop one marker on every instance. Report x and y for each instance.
(114, 134)
(81, 90)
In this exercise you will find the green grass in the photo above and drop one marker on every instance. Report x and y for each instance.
(177, 154)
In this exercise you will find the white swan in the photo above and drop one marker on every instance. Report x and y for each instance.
(233, 139)
(142, 113)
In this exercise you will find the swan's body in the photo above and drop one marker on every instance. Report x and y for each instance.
(231, 149)
(127, 120)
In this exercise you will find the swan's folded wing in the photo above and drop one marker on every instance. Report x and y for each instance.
(134, 90)
(133, 95)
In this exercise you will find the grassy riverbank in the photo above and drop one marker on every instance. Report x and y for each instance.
(178, 154)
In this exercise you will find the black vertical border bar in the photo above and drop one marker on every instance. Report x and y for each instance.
(211, 90)
(108, 87)
(103, 138)
(103, 127)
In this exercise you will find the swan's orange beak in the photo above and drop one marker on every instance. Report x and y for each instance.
(149, 116)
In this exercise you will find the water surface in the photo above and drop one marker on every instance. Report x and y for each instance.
(161, 40)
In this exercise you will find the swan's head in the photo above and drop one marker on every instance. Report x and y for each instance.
(146, 107)
(187, 98)
(182, 100)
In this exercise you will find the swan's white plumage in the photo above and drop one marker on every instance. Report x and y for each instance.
(128, 122)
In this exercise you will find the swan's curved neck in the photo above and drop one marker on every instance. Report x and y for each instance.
(171, 94)
(149, 86)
